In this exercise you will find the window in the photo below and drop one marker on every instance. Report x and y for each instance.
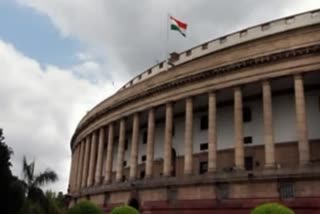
(243, 33)
(188, 52)
(144, 137)
(143, 158)
(161, 65)
(204, 122)
(205, 46)
(203, 168)
(203, 146)
(265, 26)
(142, 174)
(286, 190)
(248, 163)
(124, 163)
(246, 112)
(223, 40)
(149, 71)
(222, 190)
(247, 140)
(289, 20)
(126, 145)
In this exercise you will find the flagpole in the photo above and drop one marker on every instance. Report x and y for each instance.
(167, 43)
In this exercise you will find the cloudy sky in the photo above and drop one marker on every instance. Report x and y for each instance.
(59, 58)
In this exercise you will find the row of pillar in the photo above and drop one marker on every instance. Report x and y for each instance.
(87, 159)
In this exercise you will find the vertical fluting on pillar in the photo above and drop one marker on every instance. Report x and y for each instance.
(86, 162)
(109, 155)
(301, 121)
(75, 163)
(80, 165)
(76, 173)
(150, 143)
(98, 174)
(238, 129)
(188, 137)
(268, 125)
(92, 160)
(167, 162)
(134, 147)
(120, 158)
(212, 133)
(71, 174)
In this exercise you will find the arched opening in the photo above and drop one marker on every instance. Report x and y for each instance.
(134, 203)
(173, 161)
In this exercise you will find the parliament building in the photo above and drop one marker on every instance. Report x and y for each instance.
(219, 128)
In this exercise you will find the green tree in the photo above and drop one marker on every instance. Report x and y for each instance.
(125, 209)
(272, 208)
(5, 173)
(85, 207)
(33, 183)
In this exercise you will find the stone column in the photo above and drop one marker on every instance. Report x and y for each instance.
(71, 174)
(188, 137)
(75, 163)
(212, 133)
(98, 175)
(109, 155)
(85, 163)
(167, 162)
(80, 165)
(134, 147)
(150, 143)
(301, 121)
(238, 129)
(93, 157)
(268, 126)
(120, 158)
(76, 168)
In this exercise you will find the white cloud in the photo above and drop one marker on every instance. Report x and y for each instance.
(40, 108)
(132, 35)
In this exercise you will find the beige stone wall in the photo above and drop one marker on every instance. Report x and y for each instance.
(309, 188)
(153, 195)
(254, 190)
(287, 155)
(119, 197)
(98, 199)
(196, 192)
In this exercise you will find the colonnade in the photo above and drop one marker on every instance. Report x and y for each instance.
(87, 159)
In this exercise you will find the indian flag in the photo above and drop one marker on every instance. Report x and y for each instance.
(178, 26)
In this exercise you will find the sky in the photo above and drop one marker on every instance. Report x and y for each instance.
(59, 58)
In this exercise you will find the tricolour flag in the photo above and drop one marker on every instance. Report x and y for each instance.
(178, 25)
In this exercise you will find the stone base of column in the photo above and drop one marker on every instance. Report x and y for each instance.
(270, 166)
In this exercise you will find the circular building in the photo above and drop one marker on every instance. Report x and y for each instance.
(219, 128)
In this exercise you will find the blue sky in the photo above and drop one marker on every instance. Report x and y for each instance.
(34, 35)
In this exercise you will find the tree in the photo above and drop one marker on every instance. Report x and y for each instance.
(5, 173)
(272, 208)
(33, 183)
